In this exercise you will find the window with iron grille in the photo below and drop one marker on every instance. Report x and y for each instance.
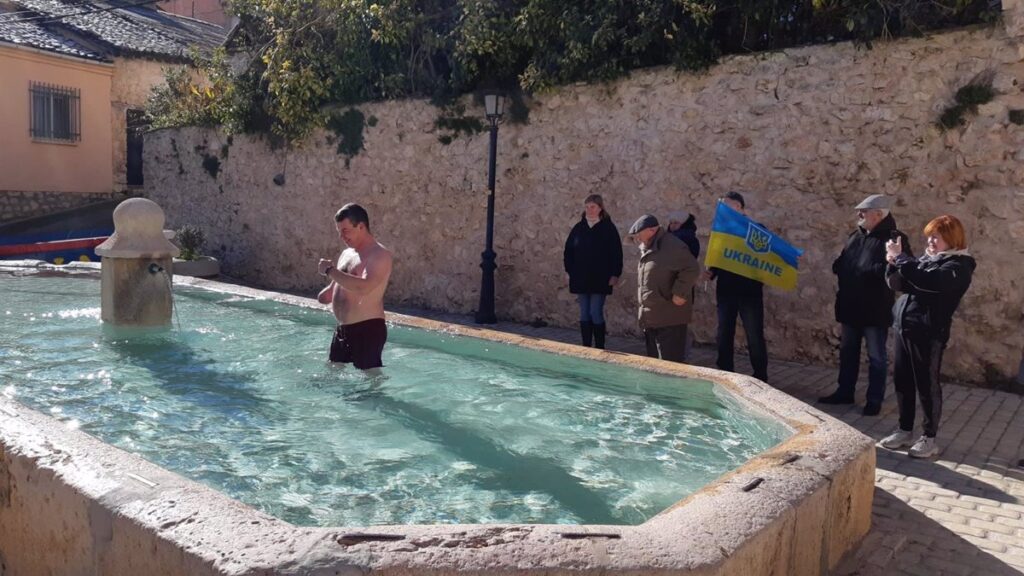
(55, 112)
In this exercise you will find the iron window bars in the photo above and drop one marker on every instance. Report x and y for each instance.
(55, 112)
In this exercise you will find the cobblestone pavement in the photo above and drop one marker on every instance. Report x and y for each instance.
(961, 513)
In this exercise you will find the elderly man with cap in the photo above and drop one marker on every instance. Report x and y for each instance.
(666, 275)
(864, 302)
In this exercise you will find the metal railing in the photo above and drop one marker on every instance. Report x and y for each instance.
(54, 112)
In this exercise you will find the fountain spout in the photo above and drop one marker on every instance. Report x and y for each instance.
(133, 258)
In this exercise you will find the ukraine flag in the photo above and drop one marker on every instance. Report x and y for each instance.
(742, 246)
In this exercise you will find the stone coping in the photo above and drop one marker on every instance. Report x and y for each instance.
(794, 509)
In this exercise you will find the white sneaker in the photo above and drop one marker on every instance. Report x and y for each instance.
(924, 448)
(898, 439)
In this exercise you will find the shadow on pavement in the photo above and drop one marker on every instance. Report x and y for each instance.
(903, 540)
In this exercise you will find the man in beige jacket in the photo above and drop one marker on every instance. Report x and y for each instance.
(666, 274)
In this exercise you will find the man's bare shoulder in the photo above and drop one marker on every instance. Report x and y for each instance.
(380, 253)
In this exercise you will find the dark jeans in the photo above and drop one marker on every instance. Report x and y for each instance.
(849, 360)
(751, 311)
(591, 307)
(668, 343)
(918, 361)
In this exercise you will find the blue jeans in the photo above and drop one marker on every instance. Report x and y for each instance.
(750, 309)
(591, 307)
(849, 360)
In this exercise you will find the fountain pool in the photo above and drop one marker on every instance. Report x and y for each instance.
(471, 440)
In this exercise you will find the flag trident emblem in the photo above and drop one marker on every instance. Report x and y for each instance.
(758, 240)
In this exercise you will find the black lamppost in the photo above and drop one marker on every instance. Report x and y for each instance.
(494, 105)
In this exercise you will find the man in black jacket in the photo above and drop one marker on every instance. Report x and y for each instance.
(864, 302)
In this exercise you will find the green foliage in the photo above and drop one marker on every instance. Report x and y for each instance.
(1017, 116)
(190, 239)
(971, 95)
(208, 95)
(310, 57)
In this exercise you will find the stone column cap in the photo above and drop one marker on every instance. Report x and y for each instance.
(138, 232)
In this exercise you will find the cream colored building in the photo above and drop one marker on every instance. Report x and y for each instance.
(72, 93)
(55, 122)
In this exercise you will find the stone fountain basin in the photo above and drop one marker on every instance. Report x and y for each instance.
(72, 504)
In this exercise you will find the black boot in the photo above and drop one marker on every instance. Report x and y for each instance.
(837, 397)
(587, 332)
(599, 336)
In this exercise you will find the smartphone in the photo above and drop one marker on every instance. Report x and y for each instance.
(894, 235)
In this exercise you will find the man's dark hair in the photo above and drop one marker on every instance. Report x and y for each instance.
(733, 195)
(354, 213)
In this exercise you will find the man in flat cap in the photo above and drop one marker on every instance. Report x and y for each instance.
(864, 302)
(666, 274)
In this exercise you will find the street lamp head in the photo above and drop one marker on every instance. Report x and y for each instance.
(494, 105)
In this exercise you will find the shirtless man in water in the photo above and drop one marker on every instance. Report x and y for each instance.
(356, 291)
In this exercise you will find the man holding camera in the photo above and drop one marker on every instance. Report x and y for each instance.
(356, 291)
(864, 302)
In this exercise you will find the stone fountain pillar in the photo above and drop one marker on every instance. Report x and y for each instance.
(136, 267)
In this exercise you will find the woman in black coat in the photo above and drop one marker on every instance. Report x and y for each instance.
(932, 287)
(593, 261)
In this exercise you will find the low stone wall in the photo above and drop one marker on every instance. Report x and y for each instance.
(71, 504)
(805, 134)
(22, 205)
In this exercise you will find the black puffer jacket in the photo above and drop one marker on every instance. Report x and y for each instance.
(592, 256)
(863, 298)
(933, 287)
(688, 234)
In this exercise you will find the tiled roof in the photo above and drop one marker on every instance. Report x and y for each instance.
(31, 34)
(123, 28)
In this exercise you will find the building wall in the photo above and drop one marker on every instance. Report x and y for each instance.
(131, 86)
(28, 166)
(207, 10)
(804, 133)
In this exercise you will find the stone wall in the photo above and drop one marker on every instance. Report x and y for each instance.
(804, 133)
(20, 205)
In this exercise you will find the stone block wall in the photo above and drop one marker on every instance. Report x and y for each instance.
(21, 205)
(805, 134)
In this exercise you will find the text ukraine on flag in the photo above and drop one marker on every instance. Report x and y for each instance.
(742, 246)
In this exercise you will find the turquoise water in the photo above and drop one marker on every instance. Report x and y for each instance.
(241, 398)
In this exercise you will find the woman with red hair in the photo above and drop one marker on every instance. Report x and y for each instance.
(932, 287)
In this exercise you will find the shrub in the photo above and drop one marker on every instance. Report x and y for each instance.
(190, 239)
(313, 57)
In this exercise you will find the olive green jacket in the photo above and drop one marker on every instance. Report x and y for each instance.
(666, 268)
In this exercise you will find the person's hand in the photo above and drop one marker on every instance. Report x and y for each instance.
(613, 280)
(706, 276)
(893, 248)
(323, 266)
(678, 300)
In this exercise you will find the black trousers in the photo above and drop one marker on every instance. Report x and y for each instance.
(750, 309)
(916, 374)
(668, 343)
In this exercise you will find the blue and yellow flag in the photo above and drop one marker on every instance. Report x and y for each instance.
(740, 245)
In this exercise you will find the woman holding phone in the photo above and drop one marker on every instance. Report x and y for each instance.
(933, 286)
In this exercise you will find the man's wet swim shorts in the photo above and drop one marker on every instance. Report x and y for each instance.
(360, 343)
